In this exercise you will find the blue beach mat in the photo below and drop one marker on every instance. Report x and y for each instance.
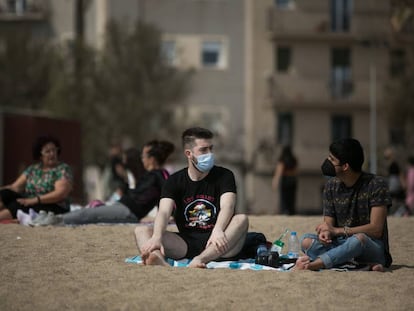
(245, 264)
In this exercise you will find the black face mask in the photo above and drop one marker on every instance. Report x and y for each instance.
(328, 169)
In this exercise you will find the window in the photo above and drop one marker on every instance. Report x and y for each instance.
(341, 81)
(168, 52)
(397, 63)
(212, 54)
(341, 11)
(284, 4)
(283, 58)
(285, 128)
(16, 6)
(341, 127)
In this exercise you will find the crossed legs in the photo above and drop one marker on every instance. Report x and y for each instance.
(175, 247)
(328, 256)
(235, 232)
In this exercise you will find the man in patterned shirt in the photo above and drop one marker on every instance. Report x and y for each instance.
(355, 214)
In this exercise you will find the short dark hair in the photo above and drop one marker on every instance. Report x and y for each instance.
(191, 134)
(41, 141)
(348, 150)
(160, 150)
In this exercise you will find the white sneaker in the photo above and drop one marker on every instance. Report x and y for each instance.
(24, 219)
(40, 217)
(33, 214)
(50, 219)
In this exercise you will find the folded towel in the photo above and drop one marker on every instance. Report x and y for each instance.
(244, 264)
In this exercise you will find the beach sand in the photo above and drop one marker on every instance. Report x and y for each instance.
(83, 268)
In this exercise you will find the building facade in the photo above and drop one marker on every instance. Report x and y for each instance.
(267, 73)
(317, 74)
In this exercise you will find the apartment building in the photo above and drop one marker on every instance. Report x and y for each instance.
(267, 73)
(317, 74)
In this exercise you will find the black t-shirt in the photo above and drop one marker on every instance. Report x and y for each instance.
(146, 194)
(198, 202)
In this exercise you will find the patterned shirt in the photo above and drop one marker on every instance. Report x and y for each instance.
(40, 182)
(351, 206)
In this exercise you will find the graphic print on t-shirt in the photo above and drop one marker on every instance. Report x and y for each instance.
(200, 214)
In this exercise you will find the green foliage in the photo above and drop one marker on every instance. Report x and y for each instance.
(124, 90)
(25, 65)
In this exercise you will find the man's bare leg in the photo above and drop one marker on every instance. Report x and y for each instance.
(142, 235)
(235, 232)
(174, 246)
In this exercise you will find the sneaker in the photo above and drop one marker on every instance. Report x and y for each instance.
(50, 220)
(24, 219)
(33, 214)
(42, 215)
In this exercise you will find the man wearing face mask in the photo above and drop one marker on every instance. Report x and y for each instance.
(202, 198)
(354, 228)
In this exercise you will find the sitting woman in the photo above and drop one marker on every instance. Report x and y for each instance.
(133, 169)
(135, 203)
(45, 185)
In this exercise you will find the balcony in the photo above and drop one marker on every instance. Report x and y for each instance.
(23, 10)
(312, 21)
(288, 91)
(280, 23)
(341, 89)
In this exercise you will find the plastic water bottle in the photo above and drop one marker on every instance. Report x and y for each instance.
(277, 246)
(293, 245)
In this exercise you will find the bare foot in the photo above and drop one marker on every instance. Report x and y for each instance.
(302, 263)
(377, 268)
(155, 259)
(197, 263)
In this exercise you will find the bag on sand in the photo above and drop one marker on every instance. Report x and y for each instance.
(253, 240)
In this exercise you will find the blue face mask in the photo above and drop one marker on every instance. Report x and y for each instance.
(205, 162)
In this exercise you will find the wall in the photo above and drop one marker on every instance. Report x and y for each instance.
(19, 131)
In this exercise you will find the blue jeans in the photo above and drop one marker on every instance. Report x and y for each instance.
(342, 250)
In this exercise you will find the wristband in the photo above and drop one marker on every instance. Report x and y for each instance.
(38, 199)
(346, 231)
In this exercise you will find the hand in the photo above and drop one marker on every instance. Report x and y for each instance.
(325, 232)
(324, 227)
(325, 237)
(27, 201)
(219, 240)
(151, 245)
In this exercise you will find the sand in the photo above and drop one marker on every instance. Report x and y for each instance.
(83, 268)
